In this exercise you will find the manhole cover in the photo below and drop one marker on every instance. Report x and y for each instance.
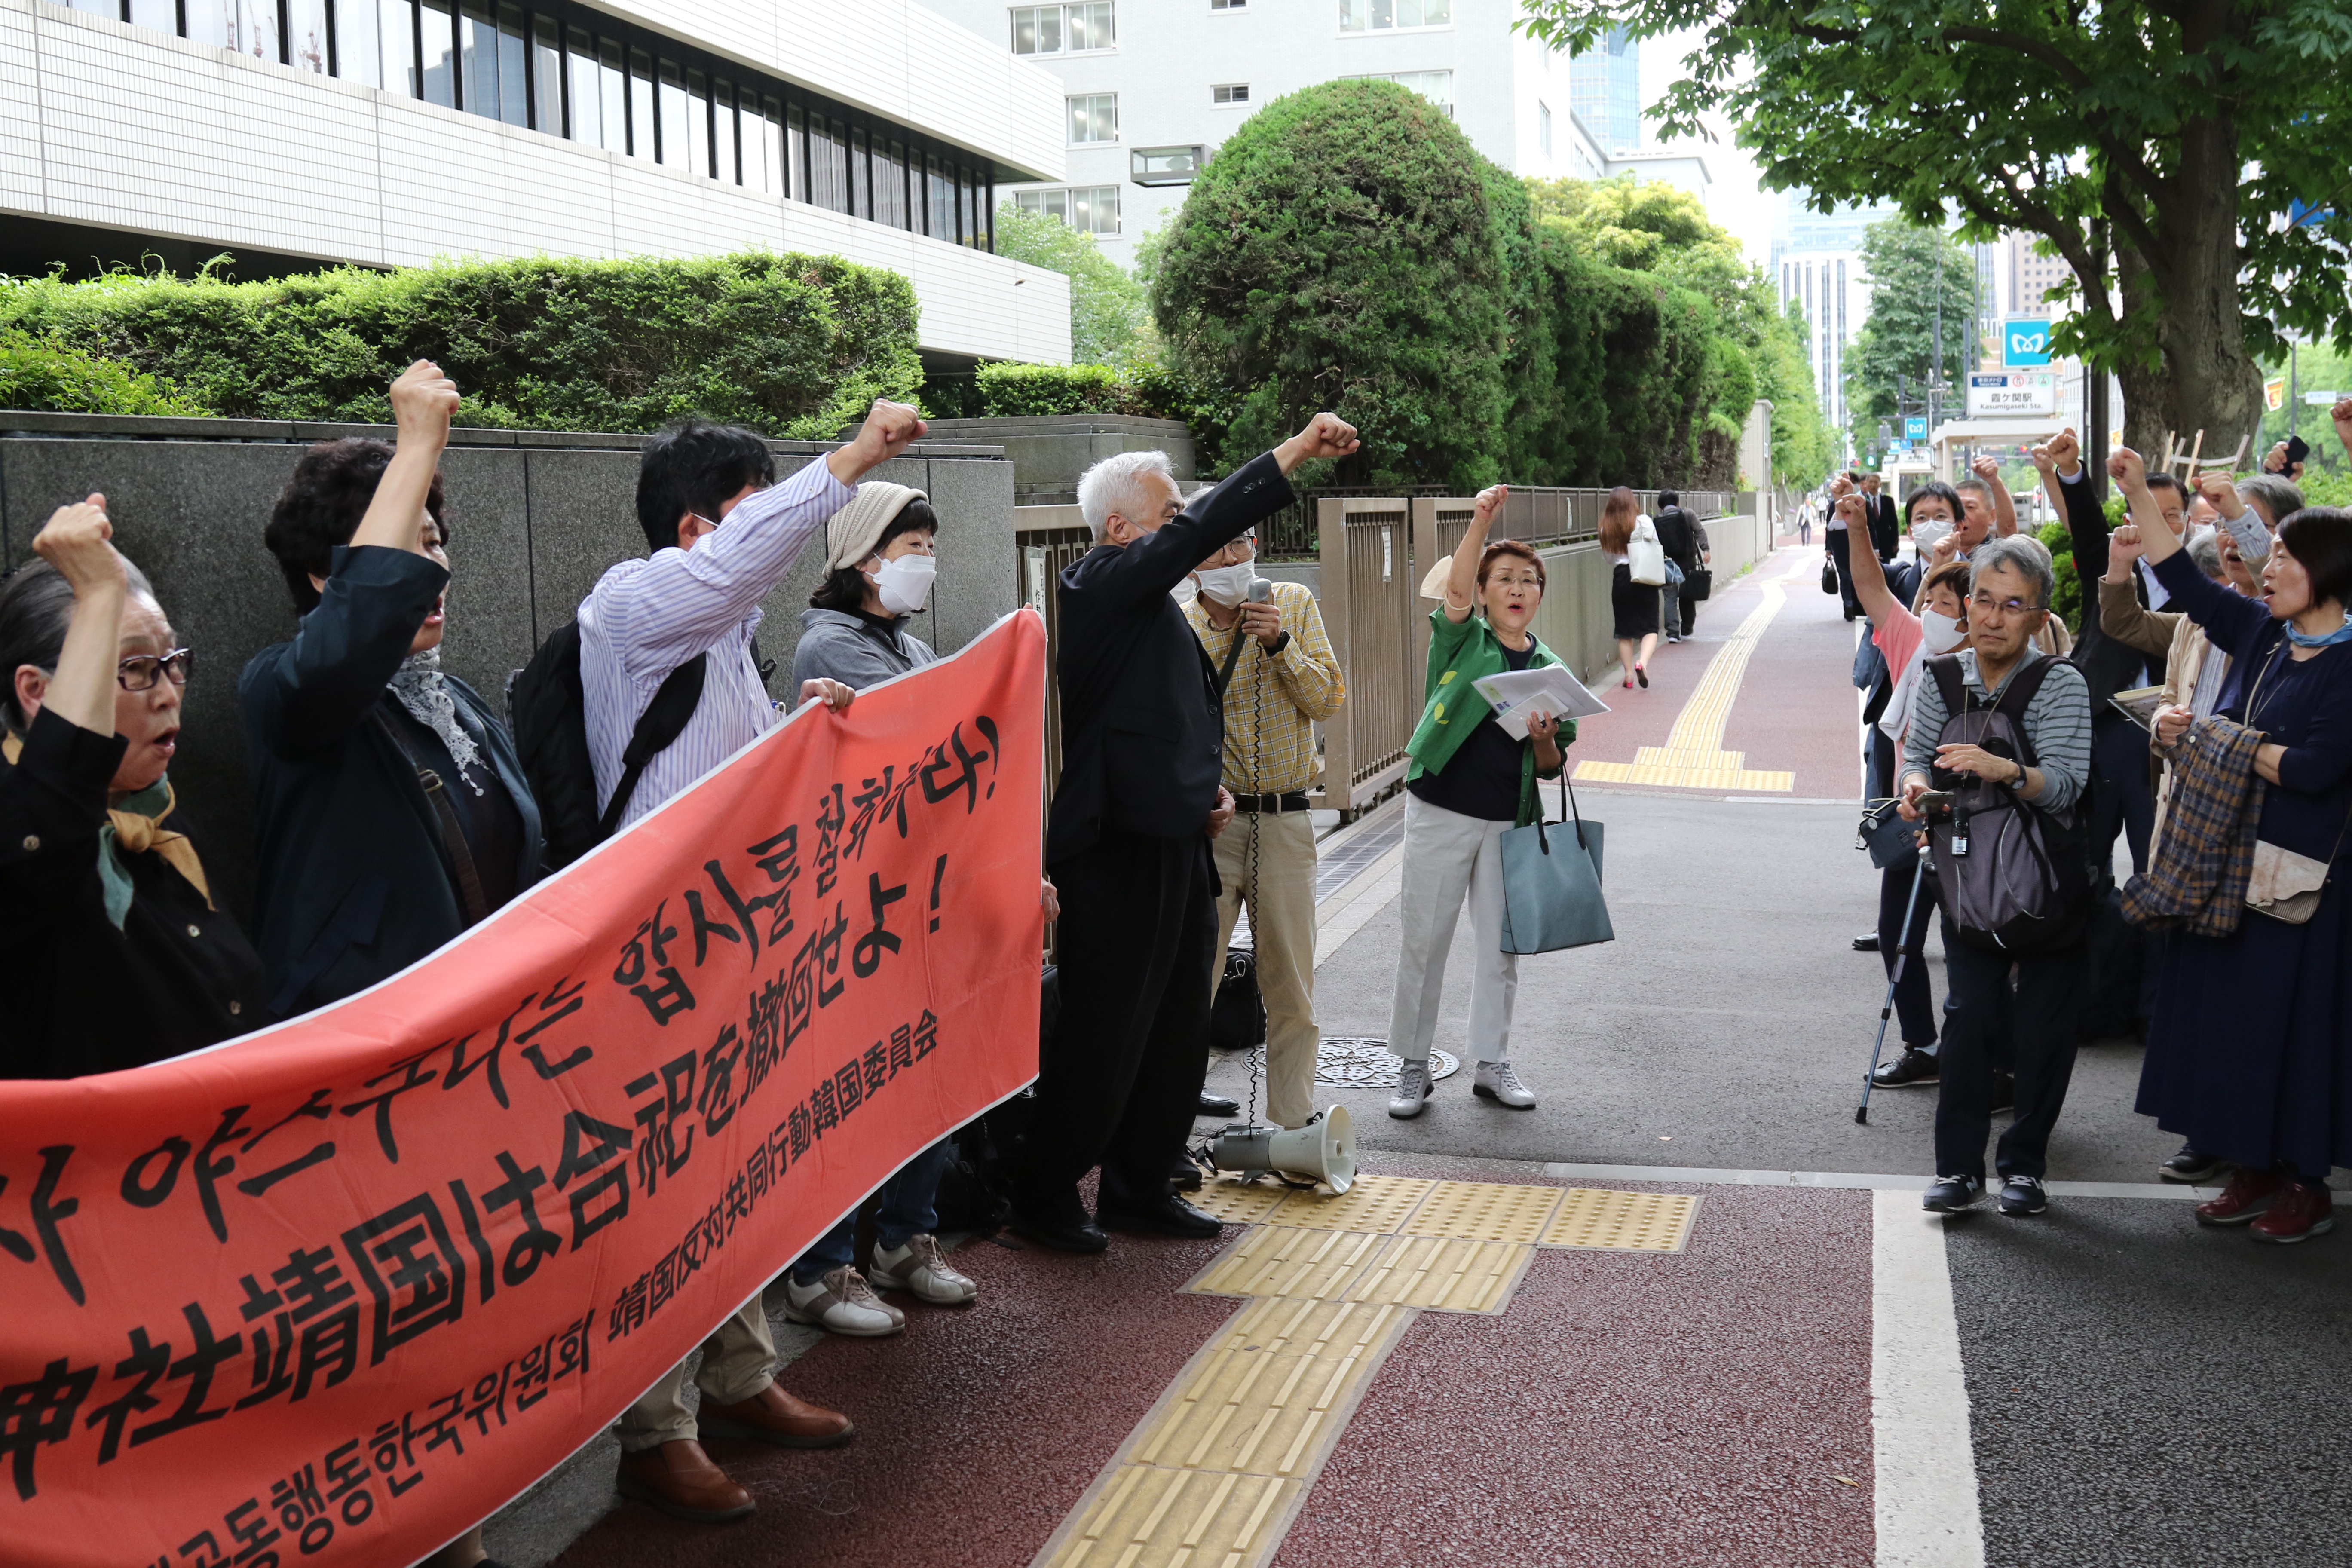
(1350, 1061)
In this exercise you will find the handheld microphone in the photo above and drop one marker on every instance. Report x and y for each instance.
(1261, 590)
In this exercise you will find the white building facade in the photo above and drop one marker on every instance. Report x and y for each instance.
(1152, 87)
(389, 133)
(1817, 262)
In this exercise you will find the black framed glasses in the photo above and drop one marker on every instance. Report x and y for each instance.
(142, 671)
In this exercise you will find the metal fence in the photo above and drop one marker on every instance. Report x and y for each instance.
(1369, 585)
(1540, 514)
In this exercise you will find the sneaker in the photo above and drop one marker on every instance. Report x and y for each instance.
(1497, 1082)
(840, 1301)
(1866, 942)
(2189, 1168)
(1412, 1090)
(1914, 1068)
(2297, 1214)
(2023, 1195)
(2249, 1194)
(2004, 1092)
(1953, 1194)
(918, 1268)
(1642, 676)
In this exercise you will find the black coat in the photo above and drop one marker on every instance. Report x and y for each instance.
(355, 882)
(1885, 530)
(82, 997)
(1142, 730)
(2107, 666)
(1678, 536)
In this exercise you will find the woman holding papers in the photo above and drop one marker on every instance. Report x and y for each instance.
(1470, 782)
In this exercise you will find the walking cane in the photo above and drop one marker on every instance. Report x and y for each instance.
(1894, 978)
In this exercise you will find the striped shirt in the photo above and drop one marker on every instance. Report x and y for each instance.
(1288, 692)
(645, 619)
(2057, 725)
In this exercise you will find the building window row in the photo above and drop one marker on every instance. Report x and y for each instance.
(1381, 15)
(1065, 29)
(1094, 119)
(584, 75)
(1090, 209)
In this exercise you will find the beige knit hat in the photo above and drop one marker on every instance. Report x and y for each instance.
(855, 531)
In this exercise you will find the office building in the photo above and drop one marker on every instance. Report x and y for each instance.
(1816, 260)
(1604, 86)
(2030, 276)
(386, 132)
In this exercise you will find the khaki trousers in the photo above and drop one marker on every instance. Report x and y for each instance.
(738, 1362)
(1282, 925)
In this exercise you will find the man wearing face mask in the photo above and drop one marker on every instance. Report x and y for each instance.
(1286, 679)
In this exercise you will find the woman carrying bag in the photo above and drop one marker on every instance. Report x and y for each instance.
(1468, 784)
(1636, 579)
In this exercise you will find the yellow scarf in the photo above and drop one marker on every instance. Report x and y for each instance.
(131, 828)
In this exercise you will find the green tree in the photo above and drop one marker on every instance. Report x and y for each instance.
(1342, 252)
(2158, 145)
(1923, 290)
(1110, 318)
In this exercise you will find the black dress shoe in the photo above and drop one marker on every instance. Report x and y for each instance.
(1218, 1105)
(1866, 942)
(1171, 1216)
(1078, 1234)
(1186, 1176)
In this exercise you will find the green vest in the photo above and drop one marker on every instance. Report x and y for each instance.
(1460, 653)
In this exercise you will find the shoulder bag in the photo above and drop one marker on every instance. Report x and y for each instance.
(2283, 885)
(1646, 558)
(1551, 883)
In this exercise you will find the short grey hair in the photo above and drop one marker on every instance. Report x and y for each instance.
(1983, 487)
(1115, 484)
(2022, 553)
(2206, 550)
(2280, 497)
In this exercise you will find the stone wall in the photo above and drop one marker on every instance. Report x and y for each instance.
(535, 517)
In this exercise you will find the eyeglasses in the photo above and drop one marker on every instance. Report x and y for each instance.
(142, 671)
(2006, 606)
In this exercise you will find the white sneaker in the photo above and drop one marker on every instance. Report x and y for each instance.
(1412, 1089)
(1497, 1082)
(917, 1266)
(841, 1302)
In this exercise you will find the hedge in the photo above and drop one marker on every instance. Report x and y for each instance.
(788, 345)
(48, 378)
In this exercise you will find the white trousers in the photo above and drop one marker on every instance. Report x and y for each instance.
(1446, 857)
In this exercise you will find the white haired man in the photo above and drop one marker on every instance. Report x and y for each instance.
(1127, 845)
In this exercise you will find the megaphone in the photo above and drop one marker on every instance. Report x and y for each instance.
(1324, 1148)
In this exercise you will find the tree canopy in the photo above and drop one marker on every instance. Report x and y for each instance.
(2164, 148)
(1110, 318)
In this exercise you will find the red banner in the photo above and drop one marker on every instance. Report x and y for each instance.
(336, 1291)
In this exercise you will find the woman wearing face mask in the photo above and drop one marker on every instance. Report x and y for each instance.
(113, 954)
(1907, 641)
(1469, 783)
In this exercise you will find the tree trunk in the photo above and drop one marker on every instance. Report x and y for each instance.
(2205, 380)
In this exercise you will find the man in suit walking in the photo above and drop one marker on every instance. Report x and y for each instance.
(1128, 846)
(1885, 532)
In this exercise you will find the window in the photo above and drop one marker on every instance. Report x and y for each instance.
(163, 15)
(547, 76)
(437, 56)
(1093, 210)
(698, 159)
(642, 143)
(1435, 86)
(1381, 15)
(306, 33)
(861, 175)
(1228, 5)
(1543, 127)
(1063, 29)
(477, 44)
(1166, 166)
(514, 93)
(1232, 92)
(1094, 119)
(359, 45)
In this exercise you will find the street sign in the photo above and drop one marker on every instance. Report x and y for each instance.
(2274, 393)
(2012, 391)
(1914, 427)
(2322, 399)
(2024, 342)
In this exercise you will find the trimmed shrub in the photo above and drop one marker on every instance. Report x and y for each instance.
(1013, 391)
(787, 345)
(48, 378)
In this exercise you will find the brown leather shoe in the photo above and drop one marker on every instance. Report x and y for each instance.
(771, 1416)
(679, 1479)
(2248, 1194)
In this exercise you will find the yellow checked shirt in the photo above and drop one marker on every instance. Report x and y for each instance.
(1275, 700)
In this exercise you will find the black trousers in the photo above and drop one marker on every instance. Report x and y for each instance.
(2122, 800)
(1836, 540)
(2040, 1029)
(1120, 1081)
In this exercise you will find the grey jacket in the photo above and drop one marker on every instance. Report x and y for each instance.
(852, 650)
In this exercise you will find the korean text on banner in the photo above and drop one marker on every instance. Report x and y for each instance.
(335, 1291)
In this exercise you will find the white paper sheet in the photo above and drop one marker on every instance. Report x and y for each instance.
(1517, 693)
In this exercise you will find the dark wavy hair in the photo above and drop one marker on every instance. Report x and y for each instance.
(36, 606)
(322, 506)
(2320, 540)
(844, 588)
(696, 467)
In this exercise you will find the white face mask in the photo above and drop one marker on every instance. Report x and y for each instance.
(1926, 532)
(1184, 593)
(1227, 585)
(1939, 634)
(904, 584)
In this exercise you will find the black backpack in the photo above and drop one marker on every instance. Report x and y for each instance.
(548, 712)
(2011, 875)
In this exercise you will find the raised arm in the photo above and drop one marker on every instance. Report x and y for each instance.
(2342, 416)
(2225, 615)
(77, 540)
(1461, 577)
(2068, 485)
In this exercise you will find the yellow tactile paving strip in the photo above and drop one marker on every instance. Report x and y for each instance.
(1693, 756)
(1215, 1473)
(1238, 1203)
(1622, 1222)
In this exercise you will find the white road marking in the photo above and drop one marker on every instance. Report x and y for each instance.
(1925, 1484)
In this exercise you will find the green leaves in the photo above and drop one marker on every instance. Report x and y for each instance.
(787, 345)
(48, 378)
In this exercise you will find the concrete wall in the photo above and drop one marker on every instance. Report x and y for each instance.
(1049, 452)
(535, 519)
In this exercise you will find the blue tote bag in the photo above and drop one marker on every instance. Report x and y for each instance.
(1551, 883)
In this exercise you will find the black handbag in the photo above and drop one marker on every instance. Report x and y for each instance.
(1891, 841)
(1829, 575)
(1237, 1017)
(1698, 582)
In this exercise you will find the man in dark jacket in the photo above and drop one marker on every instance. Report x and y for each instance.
(1128, 847)
(1885, 534)
(1679, 534)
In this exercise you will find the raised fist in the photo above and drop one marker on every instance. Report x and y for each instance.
(1326, 435)
(2124, 466)
(1986, 467)
(1490, 501)
(424, 401)
(77, 540)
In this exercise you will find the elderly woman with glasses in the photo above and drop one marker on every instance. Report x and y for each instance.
(112, 952)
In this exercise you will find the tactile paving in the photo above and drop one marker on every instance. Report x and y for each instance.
(1443, 1274)
(1149, 1517)
(1287, 1260)
(1485, 1211)
(1379, 1204)
(1263, 1398)
(1630, 1222)
(1237, 1203)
